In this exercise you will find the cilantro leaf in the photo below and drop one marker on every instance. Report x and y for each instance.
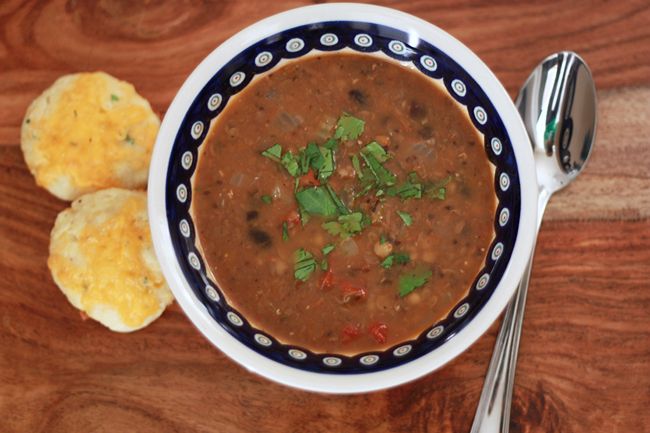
(352, 223)
(377, 151)
(324, 264)
(328, 166)
(318, 201)
(411, 188)
(114, 97)
(290, 162)
(346, 225)
(274, 152)
(304, 264)
(327, 249)
(334, 228)
(331, 144)
(340, 206)
(411, 281)
(304, 216)
(395, 259)
(357, 166)
(383, 176)
(285, 231)
(437, 190)
(313, 157)
(266, 199)
(349, 127)
(408, 219)
(365, 190)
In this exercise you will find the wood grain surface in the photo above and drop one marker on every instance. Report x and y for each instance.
(584, 364)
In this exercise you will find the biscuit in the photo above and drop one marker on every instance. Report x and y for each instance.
(87, 132)
(102, 259)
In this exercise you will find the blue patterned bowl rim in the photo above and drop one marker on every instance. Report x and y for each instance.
(293, 34)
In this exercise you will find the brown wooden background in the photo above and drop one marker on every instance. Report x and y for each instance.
(585, 355)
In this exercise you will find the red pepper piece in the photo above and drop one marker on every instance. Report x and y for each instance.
(350, 332)
(309, 179)
(327, 281)
(379, 332)
(352, 291)
(292, 219)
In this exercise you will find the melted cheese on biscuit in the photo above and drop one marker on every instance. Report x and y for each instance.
(94, 123)
(115, 274)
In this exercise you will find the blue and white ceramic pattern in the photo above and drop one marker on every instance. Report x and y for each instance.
(376, 31)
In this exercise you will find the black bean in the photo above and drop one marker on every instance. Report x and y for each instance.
(260, 237)
(358, 96)
(417, 111)
(251, 215)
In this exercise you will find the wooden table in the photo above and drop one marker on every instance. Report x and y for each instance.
(584, 364)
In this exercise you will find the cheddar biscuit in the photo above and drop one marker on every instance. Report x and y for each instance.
(87, 132)
(102, 259)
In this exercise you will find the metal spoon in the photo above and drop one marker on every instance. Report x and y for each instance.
(558, 106)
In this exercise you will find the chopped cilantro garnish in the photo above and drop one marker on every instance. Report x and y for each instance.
(382, 175)
(395, 259)
(290, 162)
(377, 151)
(439, 193)
(437, 190)
(379, 193)
(340, 206)
(357, 166)
(331, 144)
(311, 157)
(349, 128)
(274, 152)
(411, 188)
(346, 225)
(304, 264)
(327, 249)
(285, 231)
(408, 219)
(267, 199)
(327, 167)
(382, 239)
(324, 265)
(366, 189)
(304, 216)
(411, 281)
(114, 97)
(318, 201)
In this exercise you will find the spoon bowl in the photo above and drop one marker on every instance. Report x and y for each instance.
(557, 105)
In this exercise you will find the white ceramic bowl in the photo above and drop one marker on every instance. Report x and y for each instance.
(363, 28)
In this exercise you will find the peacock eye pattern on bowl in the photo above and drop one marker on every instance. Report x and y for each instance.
(363, 37)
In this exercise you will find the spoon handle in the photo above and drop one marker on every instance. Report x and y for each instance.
(493, 411)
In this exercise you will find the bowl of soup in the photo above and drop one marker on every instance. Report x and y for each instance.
(342, 198)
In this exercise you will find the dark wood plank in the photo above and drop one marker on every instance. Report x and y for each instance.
(583, 363)
(585, 357)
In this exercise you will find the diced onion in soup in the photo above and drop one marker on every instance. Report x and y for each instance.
(349, 247)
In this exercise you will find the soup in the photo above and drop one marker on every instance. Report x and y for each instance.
(343, 202)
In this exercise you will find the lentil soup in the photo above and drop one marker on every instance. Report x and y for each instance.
(343, 202)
